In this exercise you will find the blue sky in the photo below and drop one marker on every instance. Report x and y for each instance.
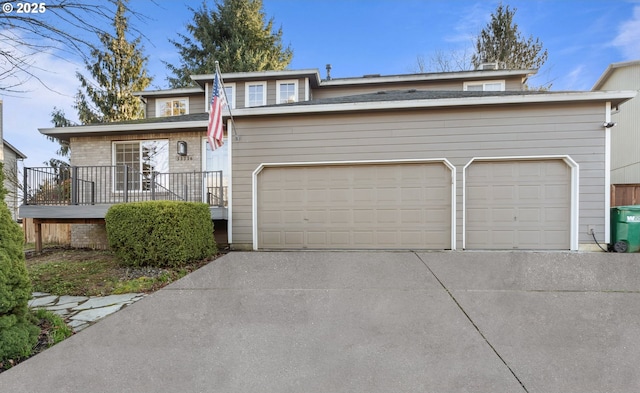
(359, 37)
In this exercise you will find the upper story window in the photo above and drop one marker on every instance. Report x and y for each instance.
(172, 106)
(287, 91)
(230, 92)
(484, 86)
(256, 94)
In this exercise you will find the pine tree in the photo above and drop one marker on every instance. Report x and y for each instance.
(236, 34)
(119, 70)
(18, 333)
(501, 42)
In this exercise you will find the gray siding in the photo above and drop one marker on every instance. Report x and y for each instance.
(196, 104)
(625, 137)
(11, 180)
(455, 134)
(457, 85)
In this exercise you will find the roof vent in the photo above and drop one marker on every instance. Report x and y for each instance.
(371, 76)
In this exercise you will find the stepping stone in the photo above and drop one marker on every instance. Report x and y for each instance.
(77, 325)
(92, 315)
(71, 299)
(97, 302)
(43, 301)
(65, 306)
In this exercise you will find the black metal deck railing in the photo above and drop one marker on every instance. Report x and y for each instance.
(93, 185)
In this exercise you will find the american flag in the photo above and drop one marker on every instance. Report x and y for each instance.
(218, 102)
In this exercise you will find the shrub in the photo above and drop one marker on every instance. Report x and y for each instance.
(160, 233)
(18, 332)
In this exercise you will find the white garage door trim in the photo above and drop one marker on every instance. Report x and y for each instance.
(256, 172)
(574, 191)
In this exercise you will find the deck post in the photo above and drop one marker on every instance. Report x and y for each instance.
(74, 185)
(125, 173)
(37, 226)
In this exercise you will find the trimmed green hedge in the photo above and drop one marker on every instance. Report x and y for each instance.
(18, 332)
(160, 233)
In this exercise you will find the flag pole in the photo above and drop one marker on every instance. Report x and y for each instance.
(233, 123)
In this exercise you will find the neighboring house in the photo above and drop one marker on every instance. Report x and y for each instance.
(457, 160)
(12, 177)
(10, 156)
(625, 137)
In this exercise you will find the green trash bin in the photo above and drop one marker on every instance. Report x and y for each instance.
(625, 228)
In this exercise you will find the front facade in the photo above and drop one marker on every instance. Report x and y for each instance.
(440, 161)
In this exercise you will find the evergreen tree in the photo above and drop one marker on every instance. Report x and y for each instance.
(501, 42)
(18, 333)
(236, 34)
(119, 69)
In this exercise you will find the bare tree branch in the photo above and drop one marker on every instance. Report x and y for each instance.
(62, 26)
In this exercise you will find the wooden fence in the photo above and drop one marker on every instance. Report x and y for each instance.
(51, 233)
(625, 194)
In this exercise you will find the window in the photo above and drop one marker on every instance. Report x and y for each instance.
(172, 106)
(256, 94)
(484, 86)
(287, 91)
(143, 159)
(230, 92)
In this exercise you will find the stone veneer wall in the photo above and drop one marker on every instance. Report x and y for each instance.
(92, 236)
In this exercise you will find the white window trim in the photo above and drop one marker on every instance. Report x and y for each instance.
(483, 83)
(231, 101)
(246, 93)
(287, 82)
(161, 100)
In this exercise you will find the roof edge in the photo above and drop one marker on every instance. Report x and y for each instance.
(20, 154)
(609, 70)
(616, 97)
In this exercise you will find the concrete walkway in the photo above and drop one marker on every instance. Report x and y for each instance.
(365, 322)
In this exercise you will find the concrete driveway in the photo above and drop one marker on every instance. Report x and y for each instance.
(365, 322)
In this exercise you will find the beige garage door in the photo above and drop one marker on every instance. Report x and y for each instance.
(518, 205)
(363, 206)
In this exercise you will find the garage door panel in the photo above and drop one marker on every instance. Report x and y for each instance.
(390, 206)
(518, 204)
(317, 239)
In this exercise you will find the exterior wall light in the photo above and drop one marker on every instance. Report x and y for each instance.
(182, 148)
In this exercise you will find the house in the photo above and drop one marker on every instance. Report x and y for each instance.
(455, 160)
(625, 139)
(12, 178)
(10, 156)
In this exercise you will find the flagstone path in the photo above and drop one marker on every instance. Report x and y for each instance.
(82, 311)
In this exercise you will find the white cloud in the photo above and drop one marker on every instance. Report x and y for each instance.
(471, 21)
(628, 38)
(575, 79)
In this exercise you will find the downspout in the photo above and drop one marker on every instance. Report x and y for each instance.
(607, 173)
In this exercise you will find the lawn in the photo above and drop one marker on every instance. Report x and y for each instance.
(81, 272)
